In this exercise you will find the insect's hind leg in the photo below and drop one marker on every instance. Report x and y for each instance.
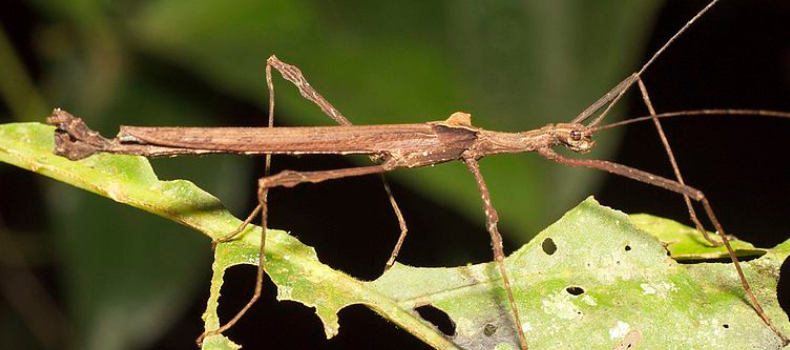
(266, 170)
(286, 178)
(675, 167)
(261, 209)
(294, 75)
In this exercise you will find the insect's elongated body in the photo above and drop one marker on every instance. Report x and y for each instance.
(396, 146)
(400, 146)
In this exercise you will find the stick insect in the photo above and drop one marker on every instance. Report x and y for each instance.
(403, 146)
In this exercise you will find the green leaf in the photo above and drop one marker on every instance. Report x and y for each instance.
(113, 297)
(606, 279)
(591, 280)
(686, 243)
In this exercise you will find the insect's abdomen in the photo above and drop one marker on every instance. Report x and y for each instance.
(396, 140)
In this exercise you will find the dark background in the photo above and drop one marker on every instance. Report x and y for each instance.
(737, 57)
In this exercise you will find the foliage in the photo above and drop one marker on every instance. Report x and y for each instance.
(593, 279)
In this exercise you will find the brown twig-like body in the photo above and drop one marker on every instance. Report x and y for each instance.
(400, 145)
(397, 146)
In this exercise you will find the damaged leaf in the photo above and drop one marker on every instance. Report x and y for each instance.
(591, 280)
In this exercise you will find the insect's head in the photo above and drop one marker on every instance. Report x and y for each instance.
(575, 136)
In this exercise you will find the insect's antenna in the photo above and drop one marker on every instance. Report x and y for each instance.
(698, 112)
(688, 24)
(672, 39)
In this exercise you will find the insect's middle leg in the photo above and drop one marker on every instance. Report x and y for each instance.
(492, 218)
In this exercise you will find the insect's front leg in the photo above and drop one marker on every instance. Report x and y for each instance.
(673, 162)
(680, 188)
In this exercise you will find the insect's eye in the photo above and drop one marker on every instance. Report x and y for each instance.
(576, 135)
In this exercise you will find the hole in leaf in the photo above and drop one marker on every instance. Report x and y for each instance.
(489, 330)
(549, 247)
(627, 247)
(573, 290)
(725, 325)
(783, 286)
(438, 318)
